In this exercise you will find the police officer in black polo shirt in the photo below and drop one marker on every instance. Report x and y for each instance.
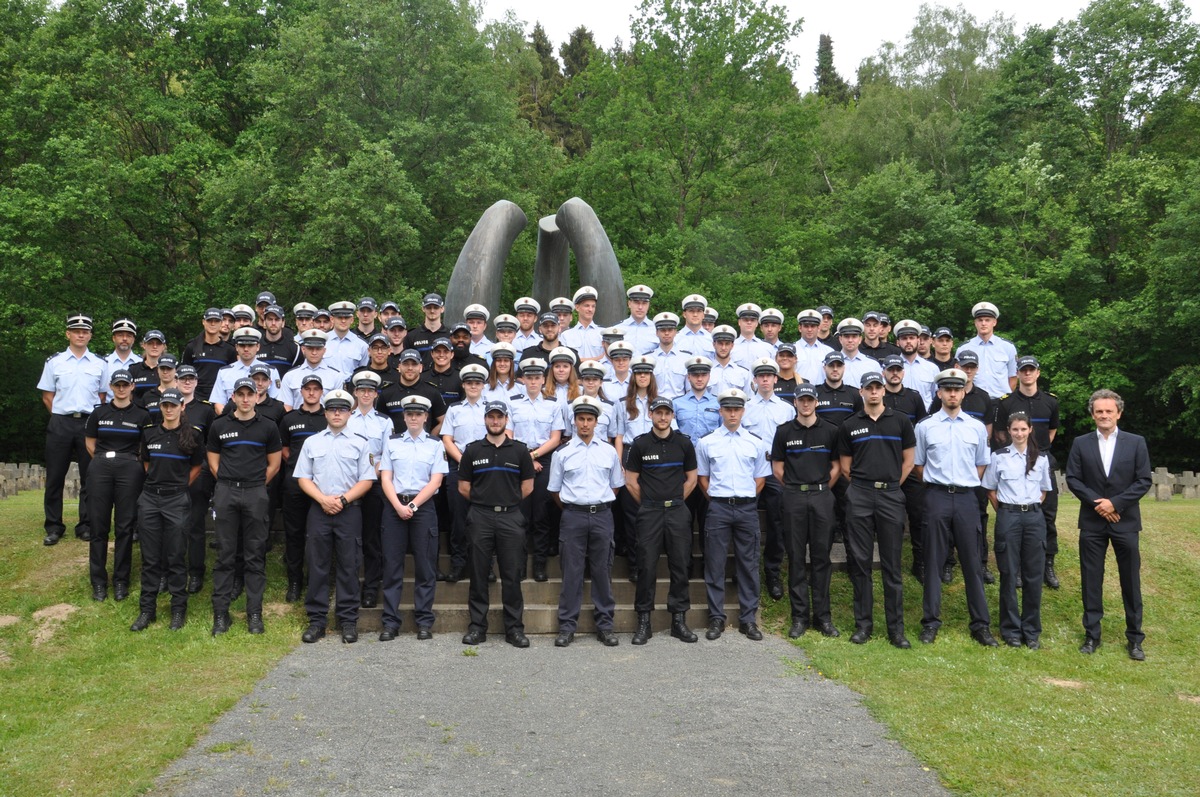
(199, 415)
(876, 447)
(422, 336)
(804, 460)
(172, 453)
(294, 429)
(494, 476)
(660, 473)
(1042, 408)
(278, 348)
(112, 435)
(909, 402)
(243, 454)
(208, 353)
(837, 401)
(410, 383)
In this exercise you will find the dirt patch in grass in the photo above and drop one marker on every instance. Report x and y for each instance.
(276, 609)
(1190, 698)
(5, 659)
(8, 619)
(1065, 684)
(49, 619)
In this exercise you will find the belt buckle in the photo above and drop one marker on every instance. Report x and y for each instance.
(881, 485)
(593, 509)
(110, 454)
(497, 509)
(804, 488)
(1024, 507)
(668, 504)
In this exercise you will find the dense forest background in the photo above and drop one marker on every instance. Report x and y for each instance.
(160, 156)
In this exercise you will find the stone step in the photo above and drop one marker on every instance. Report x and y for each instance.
(541, 618)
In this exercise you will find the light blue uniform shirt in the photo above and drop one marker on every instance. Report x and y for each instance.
(764, 416)
(810, 360)
(615, 389)
(76, 382)
(482, 348)
(723, 377)
(464, 422)
(335, 462)
(523, 341)
(747, 350)
(345, 354)
(289, 386)
(732, 461)
(1006, 475)
(534, 420)
(921, 375)
(584, 340)
(412, 461)
(640, 335)
(697, 416)
(670, 373)
(223, 387)
(997, 362)
(586, 474)
(697, 343)
(951, 449)
(632, 428)
(373, 425)
(857, 366)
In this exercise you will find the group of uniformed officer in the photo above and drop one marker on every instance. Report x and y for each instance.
(525, 445)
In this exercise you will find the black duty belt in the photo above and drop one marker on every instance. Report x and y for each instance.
(249, 483)
(407, 498)
(591, 509)
(1021, 507)
(949, 488)
(164, 490)
(870, 485)
(116, 455)
(733, 501)
(490, 508)
(813, 487)
(82, 415)
(674, 502)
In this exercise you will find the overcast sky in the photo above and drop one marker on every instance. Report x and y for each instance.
(857, 28)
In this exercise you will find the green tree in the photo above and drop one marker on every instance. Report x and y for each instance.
(830, 85)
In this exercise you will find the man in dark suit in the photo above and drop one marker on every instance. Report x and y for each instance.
(1109, 472)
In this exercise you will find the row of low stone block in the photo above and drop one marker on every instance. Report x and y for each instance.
(15, 477)
(1168, 485)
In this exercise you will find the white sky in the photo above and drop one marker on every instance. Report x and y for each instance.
(857, 28)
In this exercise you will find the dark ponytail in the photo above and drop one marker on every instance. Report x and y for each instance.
(188, 439)
(1031, 447)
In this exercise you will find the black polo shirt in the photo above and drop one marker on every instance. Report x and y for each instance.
(880, 351)
(117, 429)
(387, 376)
(1042, 409)
(540, 350)
(447, 383)
(243, 446)
(805, 451)
(876, 447)
(295, 427)
(282, 354)
(200, 416)
(907, 401)
(149, 403)
(496, 472)
(662, 464)
(976, 403)
(390, 397)
(836, 404)
(169, 464)
(145, 379)
(421, 339)
(270, 408)
(208, 359)
(785, 389)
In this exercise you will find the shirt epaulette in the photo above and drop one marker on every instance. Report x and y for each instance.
(604, 401)
(359, 435)
(394, 435)
(1048, 393)
(1005, 450)
(1006, 395)
(515, 396)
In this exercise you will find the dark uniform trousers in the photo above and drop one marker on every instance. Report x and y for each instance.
(114, 484)
(295, 528)
(914, 505)
(981, 497)
(697, 504)
(1093, 549)
(536, 511)
(770, 501)
(372, 536)
(662, 527)
(420, 533)
(163, 517)
(736, 525)
(499, 534)
(64, 445)
(953, 519)
(1021, 557)
(625, 530)
(876, 515)
(200, 493)
(459, 507)
(810, 517)
(333, 541)
(241, 511)
(1050, 511)
(586, 539)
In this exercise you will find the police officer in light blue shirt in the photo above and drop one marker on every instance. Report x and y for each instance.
(950, 457)
(334, 470)
(997, 356)
(670, 373)
(376, 427)
(584, 479)
(733, 468)
(246, 340)
(638, 330)
(693, 338)
(749, 347)
(463, 424)
(344, 350)
(726, 373)
(312, 347)
(765, 412)
(527, 309)
(919, 374)
(584, 337)
(810, 351)
(476, 317)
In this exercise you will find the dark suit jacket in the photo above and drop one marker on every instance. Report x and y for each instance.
(1128, 480)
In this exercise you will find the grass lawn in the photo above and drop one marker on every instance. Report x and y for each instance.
(88, 707)
(1049, 722)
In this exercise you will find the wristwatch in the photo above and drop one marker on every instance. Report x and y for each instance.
(412, 505)
(342, 498)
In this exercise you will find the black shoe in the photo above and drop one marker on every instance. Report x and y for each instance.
(120, 590)
(370, 599)
(828, 629)
(84, 536)
(441, 576)
(491, 576)
(388, 634)
(254, 624)
(927, 636)
(474, 637)
(135, 537)
(1089, 646)
(679, 628)
(194, 584)
(774, 587)
(424, 633)
(178, 619)
(293, 592)
(947, 574)
(162, 585)
(563, 639)
(716, 627)
(1012, 641)
(860, 637)
(643, 632)
(608, 638)
(52, 538)
(1135, 651)
(900, 641)
(349, 633)
(239, 584)
(1050, 578)
(750, 631)
(99, 592)
(221, 623)
(1033, 644)
(798, 628)
(517, 639)
(142, 622)
(456, 575)
(988, 576)
(539, 572)
(313, 633)
(985, 638)
(918, 571)
(633, 575)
